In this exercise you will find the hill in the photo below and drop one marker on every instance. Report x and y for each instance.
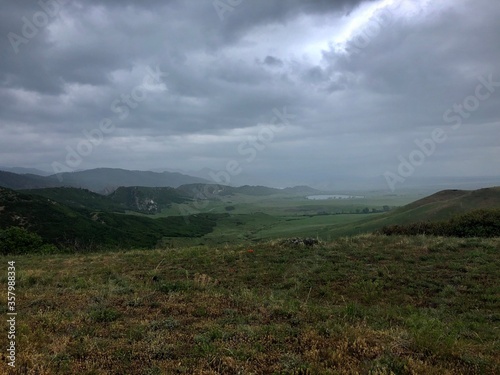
(150, 200)
(109, 179)
(102, 180)
(20, 170)
(214, 190)
(78, 198)
(65, 226)
(441, 206)
(446, 204)
(106, 180)
(26, 181)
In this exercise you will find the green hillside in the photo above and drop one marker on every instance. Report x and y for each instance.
(78, 198)
(150, 200)
(440, 206)
(64, 226)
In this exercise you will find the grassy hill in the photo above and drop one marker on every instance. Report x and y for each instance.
(150, 200)
(361, 305)
(78, 198)
(65, 226)
(440, 206)
(447, 203)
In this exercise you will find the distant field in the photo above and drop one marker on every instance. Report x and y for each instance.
(279, 205)
(360, 305)
(257, 218)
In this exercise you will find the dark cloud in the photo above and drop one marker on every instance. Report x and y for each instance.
(359, 102)
(273, 61)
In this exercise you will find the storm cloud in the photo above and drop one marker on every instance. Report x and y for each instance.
(368, 83)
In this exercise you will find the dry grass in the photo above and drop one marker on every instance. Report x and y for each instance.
(362, 305)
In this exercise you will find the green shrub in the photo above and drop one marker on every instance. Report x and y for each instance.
(477, 223)
(17, 240)
(103, 315)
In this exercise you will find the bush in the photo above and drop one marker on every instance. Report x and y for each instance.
(17, 240)
(477, 223)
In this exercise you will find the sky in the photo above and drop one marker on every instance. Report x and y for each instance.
(267, 91)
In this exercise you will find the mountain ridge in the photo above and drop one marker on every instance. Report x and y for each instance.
(99, 180)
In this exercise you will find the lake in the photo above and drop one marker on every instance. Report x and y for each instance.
(335, 196)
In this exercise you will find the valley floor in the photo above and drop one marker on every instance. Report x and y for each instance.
(366, 304)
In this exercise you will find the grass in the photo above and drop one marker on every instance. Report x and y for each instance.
(367, 304)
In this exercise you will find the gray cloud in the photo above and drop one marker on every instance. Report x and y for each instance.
(357, 109)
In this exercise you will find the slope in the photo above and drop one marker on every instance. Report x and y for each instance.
(68, 227)
(440, 206)
(108, 179)
(78, 198)
(150, 200)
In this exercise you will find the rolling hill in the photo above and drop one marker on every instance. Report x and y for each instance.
(67, 226)
(149, 200)
(21, 170)
(446, 204)
(17, 181)
(106, 180)
(213, 190)
(440, 206)
(77, 198)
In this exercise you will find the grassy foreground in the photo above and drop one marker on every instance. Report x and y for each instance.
(367, 305)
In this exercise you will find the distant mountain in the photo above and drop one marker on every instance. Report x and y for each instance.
(26, 181)
(102, 180)
(299, 190)
(20, 170)
(109, 179)
(212, 191)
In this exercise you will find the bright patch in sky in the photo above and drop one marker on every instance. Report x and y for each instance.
(359, 19)
(371, 17)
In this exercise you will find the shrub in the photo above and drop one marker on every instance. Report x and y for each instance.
(477, 223)
(17, 240)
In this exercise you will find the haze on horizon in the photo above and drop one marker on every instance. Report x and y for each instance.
(288, 93)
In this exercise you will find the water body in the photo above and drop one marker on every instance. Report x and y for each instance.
(335, 196)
